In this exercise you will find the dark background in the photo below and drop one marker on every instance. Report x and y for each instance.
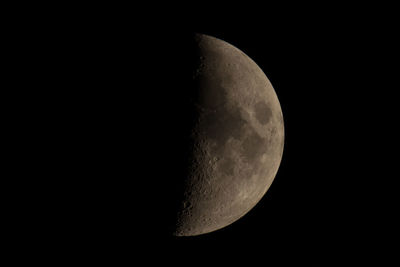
(110, 107)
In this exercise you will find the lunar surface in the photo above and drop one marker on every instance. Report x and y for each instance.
(237, 139)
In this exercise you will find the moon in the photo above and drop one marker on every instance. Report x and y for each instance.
(237, 139)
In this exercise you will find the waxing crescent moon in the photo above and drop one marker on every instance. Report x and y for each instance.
(238, 139)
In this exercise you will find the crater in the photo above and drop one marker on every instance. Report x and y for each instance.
(263, 112)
